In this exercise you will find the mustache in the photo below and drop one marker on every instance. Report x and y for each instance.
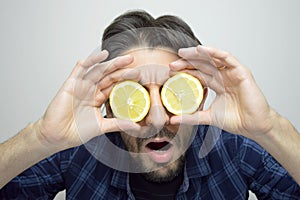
(164, 132)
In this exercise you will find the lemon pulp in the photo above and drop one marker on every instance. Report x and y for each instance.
(182, 94)
(129, 101)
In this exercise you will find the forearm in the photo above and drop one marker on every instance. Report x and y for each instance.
(283, 143)
(21, 152)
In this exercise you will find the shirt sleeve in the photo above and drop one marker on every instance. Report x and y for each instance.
(266, 177)
(42, 181)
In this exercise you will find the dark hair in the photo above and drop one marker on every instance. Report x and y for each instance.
(140, 29)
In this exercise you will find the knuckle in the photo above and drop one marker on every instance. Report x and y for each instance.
(112, 78)
(79, 63)
(226, 54)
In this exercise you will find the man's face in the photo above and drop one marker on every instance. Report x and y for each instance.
(160, 147)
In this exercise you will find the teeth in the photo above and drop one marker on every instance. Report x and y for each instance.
(159, 151)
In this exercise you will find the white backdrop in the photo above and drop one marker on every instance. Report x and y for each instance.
(42, 40)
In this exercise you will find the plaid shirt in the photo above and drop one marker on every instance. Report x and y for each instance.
(234, 166)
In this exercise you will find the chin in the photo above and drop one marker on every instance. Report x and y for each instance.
(167, 172)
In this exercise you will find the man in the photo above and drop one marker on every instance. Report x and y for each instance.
(141, 48)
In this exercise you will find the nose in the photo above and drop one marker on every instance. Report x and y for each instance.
(157, 116)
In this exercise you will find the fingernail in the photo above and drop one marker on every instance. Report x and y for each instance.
(128, 56)
(174, 62)
(105, 52)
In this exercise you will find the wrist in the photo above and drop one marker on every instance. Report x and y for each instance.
(278, 136)
(275, 124)
(20, 152)
(42, 137)
(269, 127)
(282, 142)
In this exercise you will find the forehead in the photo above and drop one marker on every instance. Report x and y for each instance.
(147, 56)
(152, 64)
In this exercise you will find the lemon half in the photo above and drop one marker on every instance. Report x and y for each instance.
(182, 94)
(129, 101)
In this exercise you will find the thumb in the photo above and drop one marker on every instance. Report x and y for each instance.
(114, 124)
(197, 118)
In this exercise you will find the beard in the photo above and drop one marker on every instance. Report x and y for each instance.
(171, 173)
(156, 172)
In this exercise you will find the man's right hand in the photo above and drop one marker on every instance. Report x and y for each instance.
(72, 118)
(74, 115)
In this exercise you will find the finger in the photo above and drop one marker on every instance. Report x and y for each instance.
(83, 65)
(95, 58)
(180, 64)
(213, 82)
(202, 65)
(221, 57)
(118, 76)
(202, 77)
(198, 58)
(102, 96)
(193, 53)
(94, 125)
(218, 63)
(77, 71)
(114, 124)
(101, 70)
(197, 118)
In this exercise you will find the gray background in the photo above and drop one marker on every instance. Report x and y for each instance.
(42, 40)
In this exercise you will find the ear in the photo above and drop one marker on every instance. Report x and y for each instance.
(109, 113)
(205, 93)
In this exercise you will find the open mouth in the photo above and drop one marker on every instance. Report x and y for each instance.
(160, 150)
(159, 146)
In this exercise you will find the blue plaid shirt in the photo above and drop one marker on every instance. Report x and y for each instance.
(234, 166)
